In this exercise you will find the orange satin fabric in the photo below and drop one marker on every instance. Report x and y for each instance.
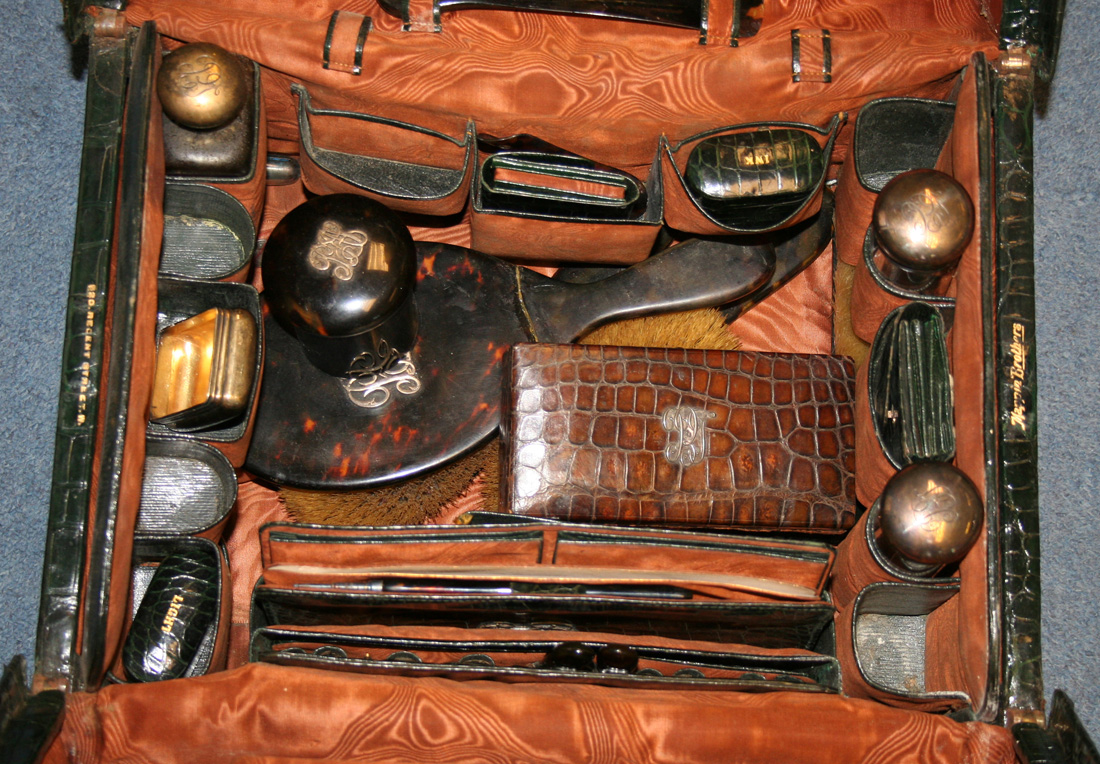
(291, 713)
(604, 89)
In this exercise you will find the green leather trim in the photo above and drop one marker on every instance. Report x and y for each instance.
(1035, 745)
(1015, 395)
(1072, 737)
(115, 387)
(1035, 24)
(82, 361)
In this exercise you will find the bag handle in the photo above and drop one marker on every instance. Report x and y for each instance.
(718, 21)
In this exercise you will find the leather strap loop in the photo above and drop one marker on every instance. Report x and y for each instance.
(811, 55)
(423, 16)
(719, 18)
(344, 42)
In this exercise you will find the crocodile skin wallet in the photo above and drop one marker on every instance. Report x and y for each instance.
(680, 437)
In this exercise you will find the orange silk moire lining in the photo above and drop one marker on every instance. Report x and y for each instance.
(287, 713)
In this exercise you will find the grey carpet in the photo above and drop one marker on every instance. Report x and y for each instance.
(41, 113)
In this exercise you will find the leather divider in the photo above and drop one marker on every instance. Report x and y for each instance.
(772, 624)
(280, 201)
(351, 718)
(876, 298)
(256, 506)
(873, 469)
(870, 302)
(542, 238)
(524, 656)
(407, 167)
(455, 635)
(684, 213)
(971, 155)
(132, 318)
(854, 208)
(885, 648)
(540, 241)
(802, 564)
(149, 550)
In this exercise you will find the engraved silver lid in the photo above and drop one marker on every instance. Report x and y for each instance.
(923, 220)
(930, 516)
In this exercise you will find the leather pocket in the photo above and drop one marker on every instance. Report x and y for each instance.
(904, 398)
(333, 551)
(188, 489)
(909, 381)
(572, 657)
(208, 234)
(890, 644)
(407, 167)
(199, 590)
(697, 586)
(546, 204)
(749, 178)
(183, 299)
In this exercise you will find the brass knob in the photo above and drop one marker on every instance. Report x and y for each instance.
(202, 86)
(930, 516)
(923, 220)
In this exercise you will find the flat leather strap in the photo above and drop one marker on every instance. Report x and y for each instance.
(811, 55)
(344, 42)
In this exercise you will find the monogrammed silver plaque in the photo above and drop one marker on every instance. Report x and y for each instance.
(687, 434)
(337, 248)
(371, 383)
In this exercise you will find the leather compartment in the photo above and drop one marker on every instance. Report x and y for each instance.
(529, 656)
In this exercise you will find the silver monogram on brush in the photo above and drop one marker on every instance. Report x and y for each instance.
(687, 434)
(373, 380)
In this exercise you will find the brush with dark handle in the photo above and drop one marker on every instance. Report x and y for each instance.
(696, 274)
(329, 417)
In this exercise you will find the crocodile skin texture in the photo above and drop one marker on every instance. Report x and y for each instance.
(1015, 374)
(179, 606)
(1072, 737)
(766, 173)
(680, 437)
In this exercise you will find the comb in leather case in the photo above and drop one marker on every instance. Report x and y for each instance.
(680, 437)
